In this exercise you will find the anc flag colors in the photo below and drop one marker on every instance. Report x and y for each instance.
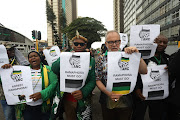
(17, 72)
(121, 87)
(125, 59)
(52, 51)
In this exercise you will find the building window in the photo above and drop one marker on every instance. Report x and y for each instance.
(175, 16)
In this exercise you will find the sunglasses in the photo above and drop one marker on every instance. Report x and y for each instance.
(81, 44)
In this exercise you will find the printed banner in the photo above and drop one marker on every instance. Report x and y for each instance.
(3, 56)
(155, 83)
(17, 84)
(124, 40)
(142, 37)
(52, 54)
(74, 68)
(122, 72)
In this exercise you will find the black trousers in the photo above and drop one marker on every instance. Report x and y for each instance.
(34, 113)
(173, 112)
(157, 109)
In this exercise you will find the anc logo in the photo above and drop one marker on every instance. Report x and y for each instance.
(155, 75)
(75, 61)
(145, 34)
(124, 38)
(53, 53)
(16, 75)
(124, 63)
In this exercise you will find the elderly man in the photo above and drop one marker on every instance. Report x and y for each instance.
(123, 110)
(9, 111)
(156, 107)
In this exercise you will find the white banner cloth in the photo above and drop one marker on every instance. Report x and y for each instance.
(3, 56)
(124, 40)
(122, 72)
(142, 37)
(52, 54)
(155, 83)
(17, 84)
(74, 68)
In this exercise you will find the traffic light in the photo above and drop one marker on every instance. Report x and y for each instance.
(39, 35)
(34, 34)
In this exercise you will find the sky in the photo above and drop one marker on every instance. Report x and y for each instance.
(24, 16)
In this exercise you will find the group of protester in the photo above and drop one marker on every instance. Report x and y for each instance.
(77, 105)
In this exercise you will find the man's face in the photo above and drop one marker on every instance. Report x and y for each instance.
(11, 53)
(162, 43)
(79, 45)
(113, 41)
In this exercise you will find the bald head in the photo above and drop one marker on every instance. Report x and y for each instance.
(162, 42)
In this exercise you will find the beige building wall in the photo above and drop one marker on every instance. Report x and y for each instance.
(118, 14)
(71, 14)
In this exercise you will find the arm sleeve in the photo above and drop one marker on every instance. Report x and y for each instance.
(91, 81)
(99, 68)
(56, 67)
(51, 89)
(139, 84)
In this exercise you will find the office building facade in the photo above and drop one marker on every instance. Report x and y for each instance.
(162, 12)
(70, 9)
(118, 15)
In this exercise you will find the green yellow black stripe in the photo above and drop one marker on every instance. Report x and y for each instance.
(121, 87)
(125, 59)
(17, 72)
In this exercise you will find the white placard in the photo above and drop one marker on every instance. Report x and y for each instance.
(16, 81)
(142, 37)
(122, 72)
(155, 83)
(3, 56)
(74, 68)
(124, 40)
(52, 54)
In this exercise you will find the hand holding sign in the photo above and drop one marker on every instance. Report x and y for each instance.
(77, 94)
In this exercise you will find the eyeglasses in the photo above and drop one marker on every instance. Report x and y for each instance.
(81, 44)
(117, 42)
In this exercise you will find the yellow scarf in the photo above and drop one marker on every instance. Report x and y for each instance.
(46, 81)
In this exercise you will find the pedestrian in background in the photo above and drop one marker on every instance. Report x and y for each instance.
(123, 110)
(9, 110)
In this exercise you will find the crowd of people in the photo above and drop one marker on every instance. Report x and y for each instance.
(77, 105)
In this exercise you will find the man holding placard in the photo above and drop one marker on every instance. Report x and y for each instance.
(77, 97)
(9, 111)
(114, 103)
(152, 89)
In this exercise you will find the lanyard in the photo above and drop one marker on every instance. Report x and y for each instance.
(12, 61)
(36, 83)
(159, 61)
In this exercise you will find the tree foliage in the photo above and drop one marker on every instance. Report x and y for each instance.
(88, 27)
(51, 17)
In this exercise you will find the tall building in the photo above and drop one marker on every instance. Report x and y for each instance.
(69, 8)
(118, 15)
(163, 12)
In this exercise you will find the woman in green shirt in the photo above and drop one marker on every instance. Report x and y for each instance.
(44, 83)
